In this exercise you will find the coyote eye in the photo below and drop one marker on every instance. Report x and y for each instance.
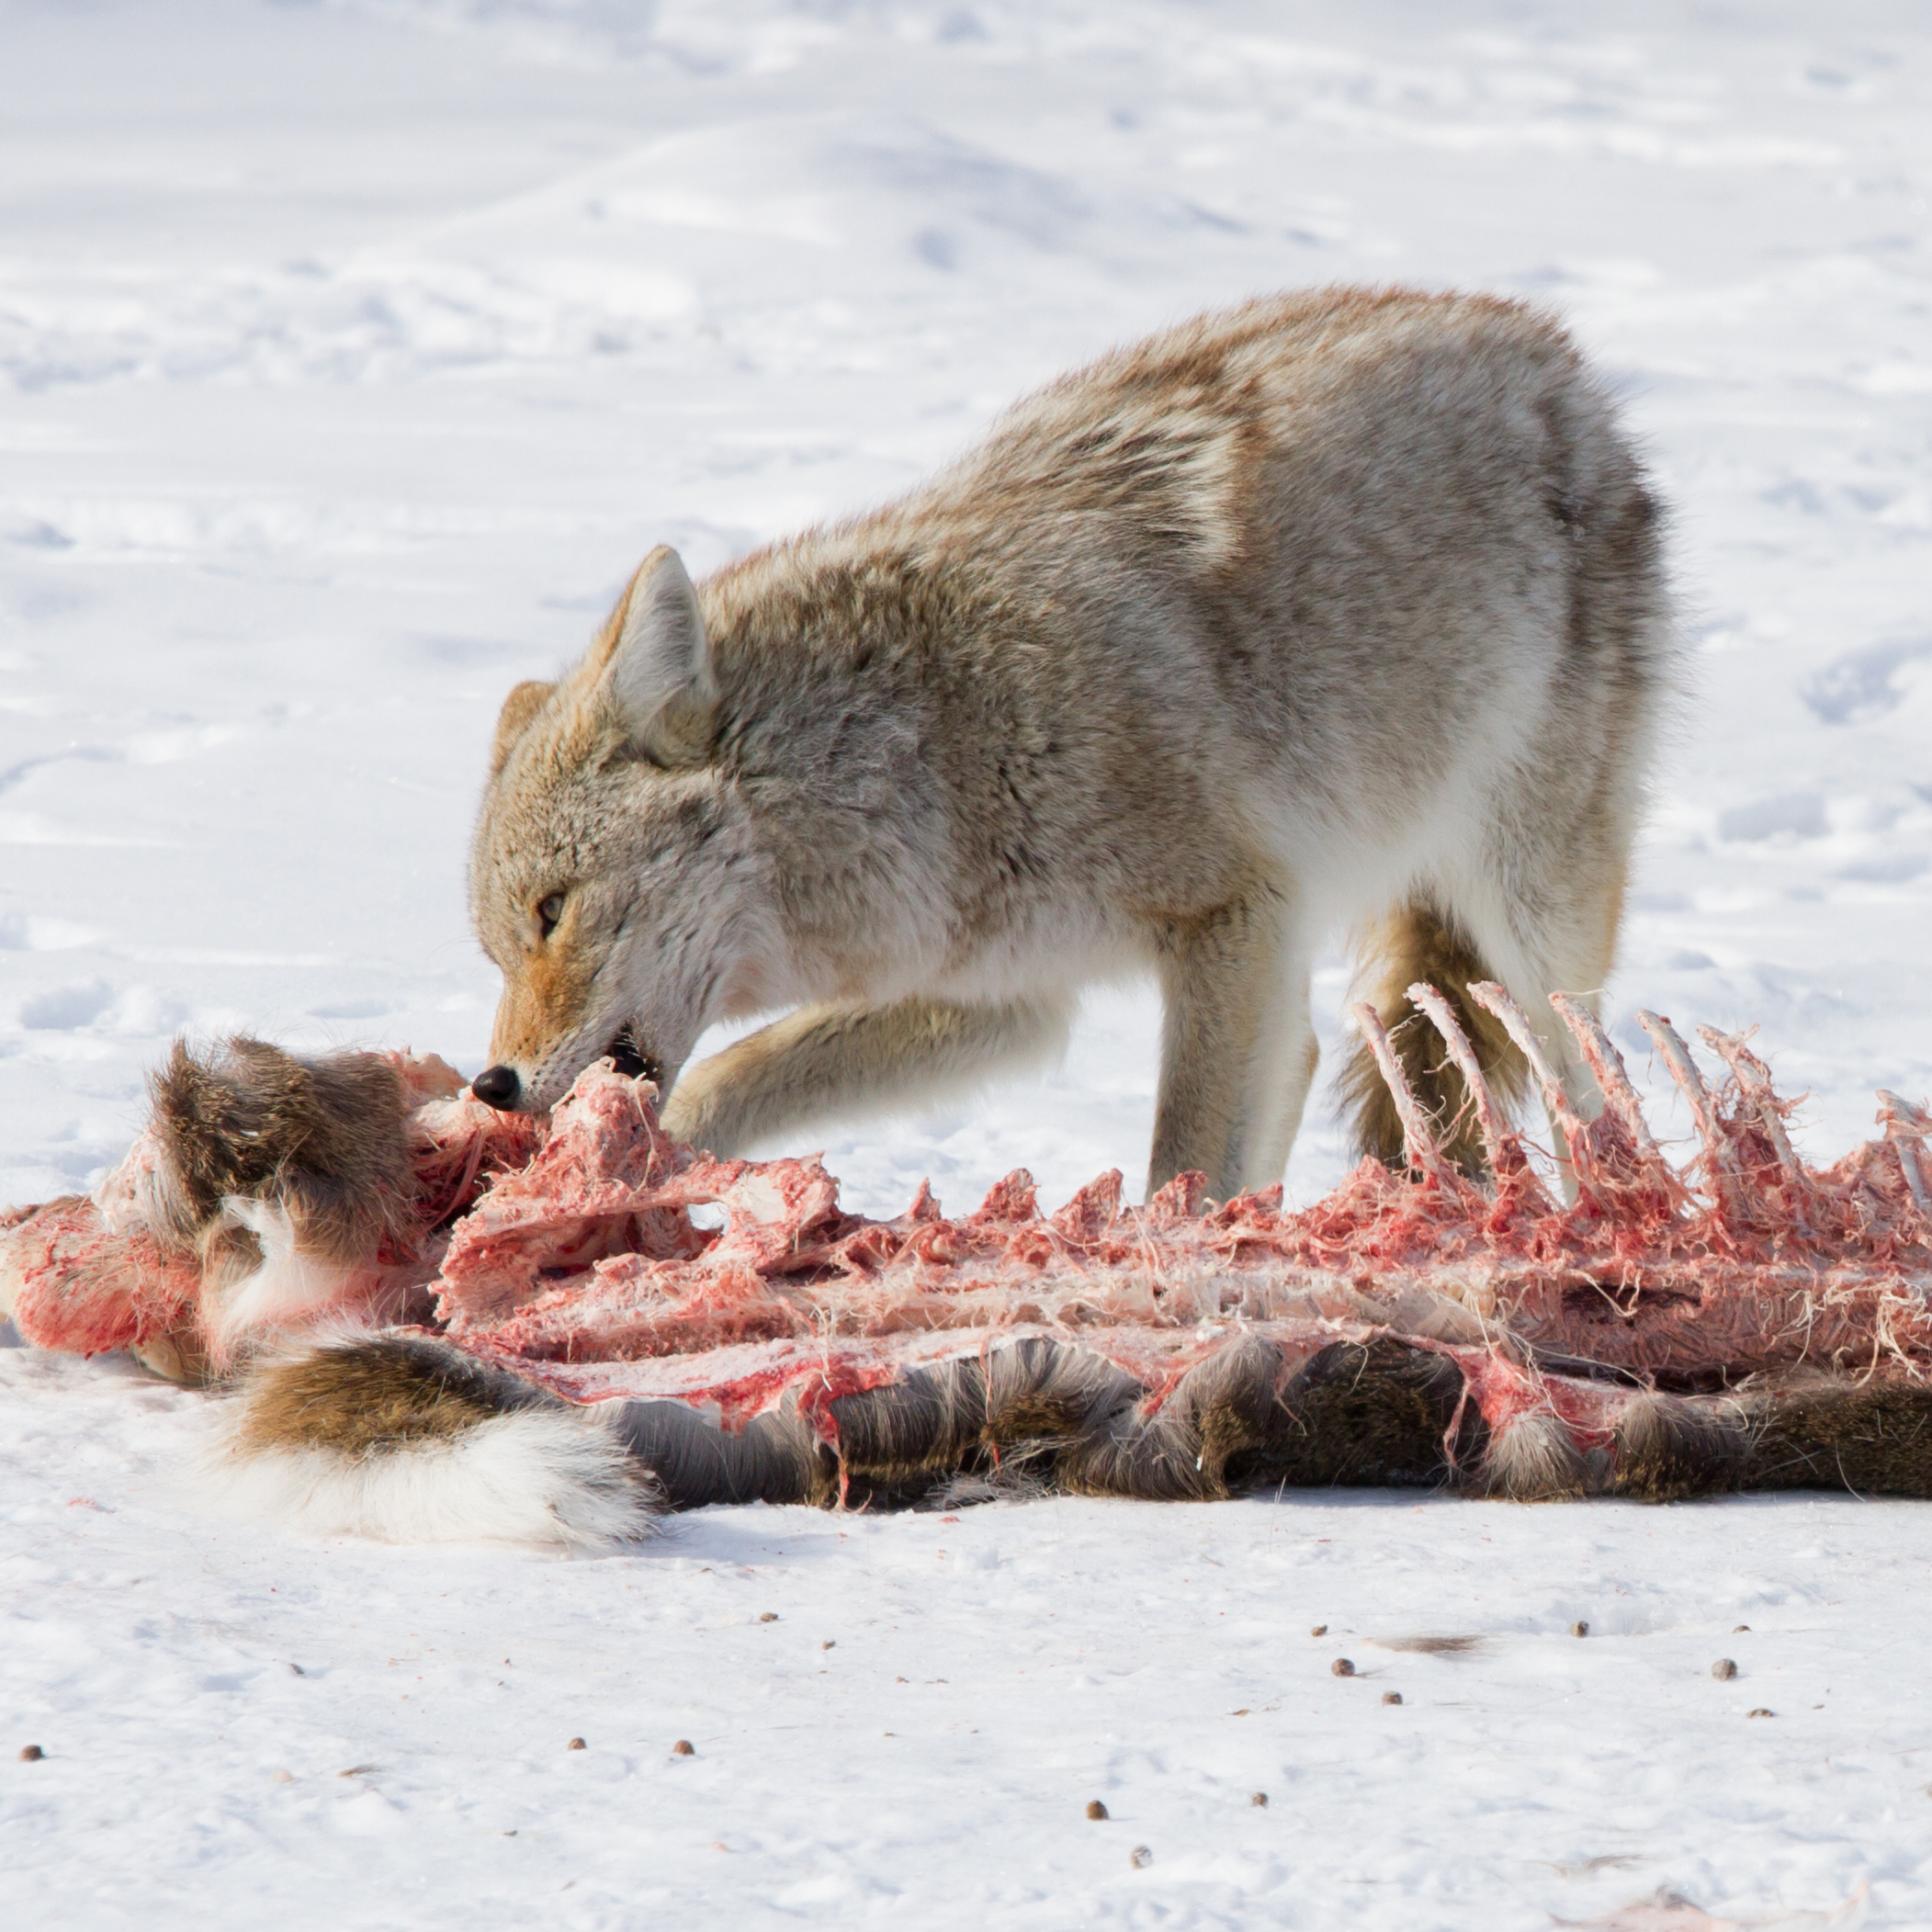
(548, 911)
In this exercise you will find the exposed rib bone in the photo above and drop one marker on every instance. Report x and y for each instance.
(1721, 1168)
(1575, 1163)
(1905, 1127)
(1683, 1070)
(1613, 1077)
(1755, 1078)
(1418, 1143)
(1497, 1137)
(1488, 1115)
(1753, 1081)
(1516, 1023)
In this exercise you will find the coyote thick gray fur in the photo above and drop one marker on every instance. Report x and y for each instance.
(1338, 611)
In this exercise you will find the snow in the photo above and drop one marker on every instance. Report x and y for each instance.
(351, 356)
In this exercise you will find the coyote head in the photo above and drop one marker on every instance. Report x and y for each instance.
(613, 877)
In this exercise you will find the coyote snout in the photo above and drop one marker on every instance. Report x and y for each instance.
(1336, 610)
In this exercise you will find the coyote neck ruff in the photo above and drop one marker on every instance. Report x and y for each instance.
(1343, 610)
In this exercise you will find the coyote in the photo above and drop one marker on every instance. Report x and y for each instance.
(1336, 610)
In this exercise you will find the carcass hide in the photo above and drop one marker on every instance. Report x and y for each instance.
(393, 1271)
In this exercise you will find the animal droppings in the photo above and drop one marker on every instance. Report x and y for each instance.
(1760, 1712)
(1320, 1630)
(1341, 1667)
(1579, 1628)
(683, 1748)
(1724, 1669)
(1260, 1798)
(1140, 1855)
(576, 1743)
(1391, 1696)
(768, 1616)
(1735, 1628)
(1095, 1809)
(297, 1669)
(31, 1754)
(829, 1644)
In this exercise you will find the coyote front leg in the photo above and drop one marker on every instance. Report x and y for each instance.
(1237, 1049)
(823, 1061)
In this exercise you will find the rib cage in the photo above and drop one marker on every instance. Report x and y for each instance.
(1745, 1320)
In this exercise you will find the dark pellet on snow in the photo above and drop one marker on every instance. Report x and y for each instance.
(1341, 1667)
(577, 1744)
(683, 1748)
(1580, 1628)
(768, 1616)
(1724, 1669)
(1760, 1712)
(1095, 1809)
(1736, 1627)
(1320, 1630)
(829, 1644)
(31, 1754)
(1260, 1798)
(1391, 1696)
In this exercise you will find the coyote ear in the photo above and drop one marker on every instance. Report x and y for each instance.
(660, 673)
(514, 719)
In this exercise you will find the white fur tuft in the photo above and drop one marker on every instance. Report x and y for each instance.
(1534, 1460)
(290, 1287)
(532, 1476)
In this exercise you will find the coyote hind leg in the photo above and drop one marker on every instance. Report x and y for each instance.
(1417, 942)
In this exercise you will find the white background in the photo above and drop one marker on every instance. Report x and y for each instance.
(350, 357)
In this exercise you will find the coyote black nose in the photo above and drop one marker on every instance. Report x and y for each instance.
(497, 1087)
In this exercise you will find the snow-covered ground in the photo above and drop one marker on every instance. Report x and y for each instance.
(350, 355)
